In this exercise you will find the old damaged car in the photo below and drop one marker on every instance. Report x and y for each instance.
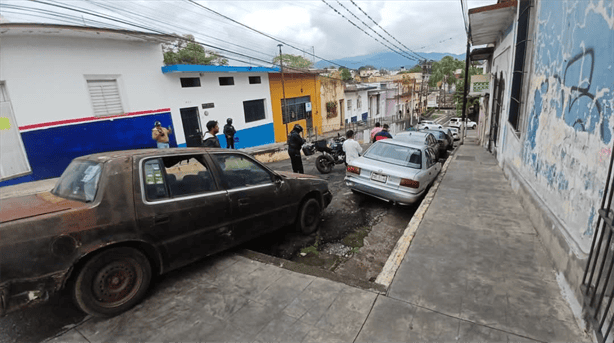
(115, 220)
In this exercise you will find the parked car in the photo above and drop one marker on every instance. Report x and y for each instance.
(116, 219)
(421, 138)
(428, 124)
(456, 122)
(455, 133)
(393, 170)
(442, 135)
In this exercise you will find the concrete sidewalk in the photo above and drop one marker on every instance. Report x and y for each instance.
(475, 271)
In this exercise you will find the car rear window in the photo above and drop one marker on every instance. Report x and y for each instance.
(395, 154)
(79, 181)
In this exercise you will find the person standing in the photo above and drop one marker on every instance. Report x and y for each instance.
(160, 135)
(210, 140)
(229, 132)
(384, 134)
(375, 130)
(351, 147)
(295, 142)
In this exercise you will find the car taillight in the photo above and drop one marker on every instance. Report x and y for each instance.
(352, 169)
(410, 183)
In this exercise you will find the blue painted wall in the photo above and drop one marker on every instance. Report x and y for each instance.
(51, 150)
(566, 148)
(246, 138)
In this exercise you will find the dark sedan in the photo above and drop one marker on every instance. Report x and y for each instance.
(116, 219)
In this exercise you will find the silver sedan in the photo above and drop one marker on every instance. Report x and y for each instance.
(393, 170)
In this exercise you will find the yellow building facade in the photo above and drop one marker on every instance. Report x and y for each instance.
(302, 92)
(332, 92)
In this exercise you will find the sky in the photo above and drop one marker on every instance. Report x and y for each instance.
(311, 26)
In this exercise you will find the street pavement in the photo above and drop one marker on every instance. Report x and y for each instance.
(475, 271)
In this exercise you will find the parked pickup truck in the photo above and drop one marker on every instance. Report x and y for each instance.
(116, 219)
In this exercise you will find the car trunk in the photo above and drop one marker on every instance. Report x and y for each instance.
(376, 172)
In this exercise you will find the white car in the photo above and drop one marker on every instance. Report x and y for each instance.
(454, 131)
(428, 125)
(456, 122)
(393, 170)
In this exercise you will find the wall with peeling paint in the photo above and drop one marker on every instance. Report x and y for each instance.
(564, 148)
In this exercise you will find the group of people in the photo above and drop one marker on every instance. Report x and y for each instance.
(351, 147)
(160, 135)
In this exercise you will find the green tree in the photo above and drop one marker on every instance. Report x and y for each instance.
(443, 71)
(460, 88)
(415, 69)
(367, 67)
(345, 74)
(294, 61)
(185, 50)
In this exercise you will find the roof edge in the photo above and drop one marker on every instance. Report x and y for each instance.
(512, 3)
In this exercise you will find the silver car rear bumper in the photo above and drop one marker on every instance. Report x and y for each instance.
(393, 195)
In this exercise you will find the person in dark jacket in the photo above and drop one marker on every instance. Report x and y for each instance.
(229, 132)
(295, 142)
(384, 134)
(210, 140)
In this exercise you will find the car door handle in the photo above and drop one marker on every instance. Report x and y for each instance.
(161, 220)
(243, 202)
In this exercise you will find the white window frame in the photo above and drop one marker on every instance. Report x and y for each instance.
(349, 104)
(358, 103)
(117, 79)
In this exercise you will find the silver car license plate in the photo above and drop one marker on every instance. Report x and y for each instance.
(379, 177)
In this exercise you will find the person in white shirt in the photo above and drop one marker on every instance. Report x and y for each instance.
(351, 147)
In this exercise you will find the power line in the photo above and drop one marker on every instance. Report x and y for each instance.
(107, 17)
(262, 33)
(378, 25)
(367, 33)
(377, 33)
(158, 21)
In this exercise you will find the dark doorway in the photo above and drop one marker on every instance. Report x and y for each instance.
(191, 126)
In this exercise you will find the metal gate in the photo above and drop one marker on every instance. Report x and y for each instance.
(598, 281)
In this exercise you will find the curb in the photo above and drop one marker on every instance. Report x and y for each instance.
(398, 253)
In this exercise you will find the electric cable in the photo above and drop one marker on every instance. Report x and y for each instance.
(262, 33)
(368, 34)
(378, 25)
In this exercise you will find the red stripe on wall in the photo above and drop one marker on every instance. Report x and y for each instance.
(81, 120)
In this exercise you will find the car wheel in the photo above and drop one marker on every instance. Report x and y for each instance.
(325, 164)
(309, 216)
(112, 282)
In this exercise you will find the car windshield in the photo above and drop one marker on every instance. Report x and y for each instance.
(395, 154)
(79, 181)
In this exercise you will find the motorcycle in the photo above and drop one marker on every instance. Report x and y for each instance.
(331, 154)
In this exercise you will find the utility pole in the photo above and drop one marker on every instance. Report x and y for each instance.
(466, 88)
(284, 108)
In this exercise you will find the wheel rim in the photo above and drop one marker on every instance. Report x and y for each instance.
(311, 215)
(117, 282)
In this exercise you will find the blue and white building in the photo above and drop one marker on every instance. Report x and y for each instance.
(73, 91)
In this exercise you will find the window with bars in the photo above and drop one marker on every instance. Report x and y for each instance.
(294, 109)
(254, 80)
(254, 110)
(106, 100)
(359, 102)
(349, 104)
(227, 81)
(520, 57)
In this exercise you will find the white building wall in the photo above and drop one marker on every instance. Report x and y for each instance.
(227, 100)
(47, 75)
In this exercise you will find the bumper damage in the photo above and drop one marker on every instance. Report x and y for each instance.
(18, 294)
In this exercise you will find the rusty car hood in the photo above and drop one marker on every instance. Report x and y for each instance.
(34, 205)
(296, 175)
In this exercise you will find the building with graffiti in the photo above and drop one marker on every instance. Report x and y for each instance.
(549, 114)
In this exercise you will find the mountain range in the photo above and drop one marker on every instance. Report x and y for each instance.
(385, 60)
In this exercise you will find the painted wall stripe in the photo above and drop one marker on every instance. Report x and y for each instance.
(88, 119)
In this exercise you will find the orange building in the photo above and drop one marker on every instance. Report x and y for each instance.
(302, 94)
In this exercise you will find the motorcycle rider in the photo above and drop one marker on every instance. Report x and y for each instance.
(295, 142)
